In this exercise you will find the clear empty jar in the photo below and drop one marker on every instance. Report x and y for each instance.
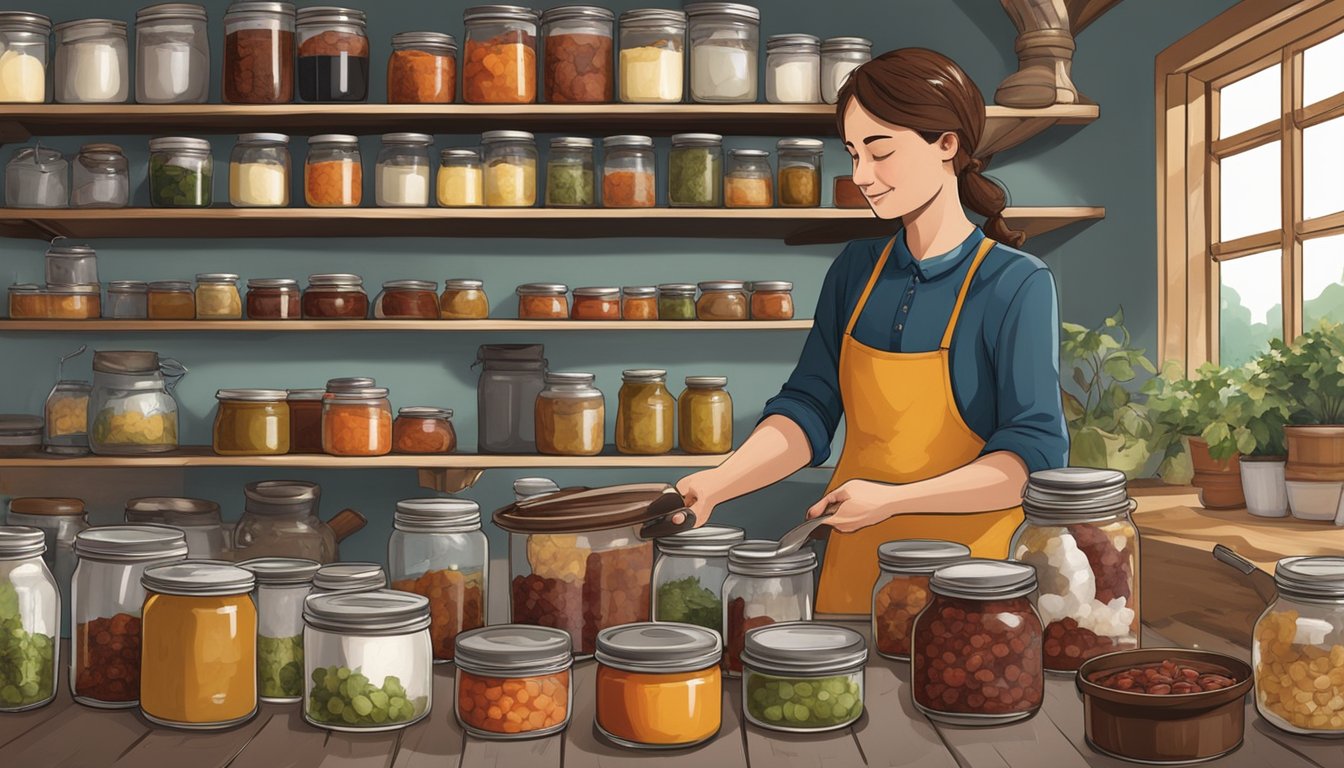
(197, 519)
(749, 182)
(92, 62)
(512, 375)
(724, 39)
(500, 62)
(569, 173)
(793, 69)
(402, 179)
(645, 414)
(283, 583)
(172, 54)
(461, 182)
(258, 53)
(100, 178)
(902, 588)
(24, 39)
(259, 171)
(333, 54)
(438, 550)
(570, 416)
(689, 574)
(839, 57)
(578, 63)
(181, 173)
(799, 172)
(37, 177)
(333, 175)
(653, 58)
(127, 300)
(70, 264)
(695, 170)
(217, 297)
(628, 172)
(510, 169)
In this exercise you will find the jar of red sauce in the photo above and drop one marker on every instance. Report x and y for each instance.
(771, 300)
(408, 300)
(273, 299)
(596, 304)
(335, 297)
(639, 302)
(422, 429)
(356, 421)
(543, 301)
(305, 420)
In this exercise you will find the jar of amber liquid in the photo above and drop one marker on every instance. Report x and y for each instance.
(722, 300)
(273, 299)
(356, 421)
(464, 300)
(335, 297)
(543, 301)
(639, 302)
(305, 420)
(771, 300)
(705, 411)
(171, 300)
(799, 173)
(251, 422)
(424, 430)
(646, 414)
(407, 300)
(217, 297)
(571, 416)
(596, 304)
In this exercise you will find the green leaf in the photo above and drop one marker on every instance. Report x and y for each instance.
(1073, 408)
(1080, 379)
(1088, 448)
(1119, 368)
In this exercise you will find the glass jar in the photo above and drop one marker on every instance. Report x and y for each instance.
(902, 588)
(749, 182)
(37, 177)
(695, 171)
(659, 685)
(628, 172)
(100, 178)
(461, 182)
(438, 550)
(70, 264)
(464, 300)
(543, 301)
(407, 300)
(200, 627)
(343, 578)
(645, 414)
(500, 64)
(724, 39)
(424, 430)
(977, 646)
(30, 611)
(422, 68)
(333, 174)
(20, 434)
(259, 171)
(251, 422)
(803, 677)
(793, 69)
(106, 598)
(172, 54)
(333, 54)
(24, 38)
(689, 574)
(26, 302)
(217, 297)
(763, 588)
(536, 660)
(722, 300)
(258, 53)
(127, 300)
(1298, 642)
(67, 418)
(403, 171)
(356, 422)
(305, 420)
(512, 376)
(280, 520)
(92, 62)
(771, 300)
(705, 409)
(596, 304)
(335, 297)
(569, 173)
(132, 410)
(73, 302)
(676, 301)
(181, 173)
(171, 300)
(283, 583)
(59, 520)
(799, 173)
(578, 62)
(653, 56)
(839, 57)
(571, 416)
(273, 299)
(510, 169)
(639, 302)
(197, 519)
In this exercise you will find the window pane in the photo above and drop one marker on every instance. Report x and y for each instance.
(1252, 306)
(1249, 192)
(1323, 280)
(1323, 168)
(1250, 101)
(1323, 70)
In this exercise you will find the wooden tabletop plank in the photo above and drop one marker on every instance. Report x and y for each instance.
(1017, 745)
(527, 753)
(285, 741)
(436, 740)
(892, 732)
(360, 750)
(79, 738)
(170, 748)
(13, 725)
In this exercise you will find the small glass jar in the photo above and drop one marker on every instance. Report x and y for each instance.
(723, 300)
(100, 178)
(251, 422)
(424, 430)
(200, 627)
(259, 171)
(127, 300)
(1297, 643)
(20, 434)
(570, 416)
(407, 300)
(799, 173)
(335, 297)
(24, 38)
(437, 550)
(628, 179)
(659, 685)
(67, 418)
(535, 660)
(356, 422)
(271, 298)
(569, 173)
(171, 300)
(793, 69)
(464, 300)
(510, 169)
(283, 583)
(676, 301)
(422, 68)
(695, 171)
(771, 300)
(596, 304)
(724, 39)
(749, 182)
(645, 414)
(653, 57)
(689, 574)
(70, 264)
(403, 171)
(705, 410)
(172, 54)
(763, 588)
(37, 177)
(197, 519)
(132, 410)
(639, 302)
(73, 302)
(976, 648)
(902, 588)
(258, 53)
(59, 520)
(343, 578)
(217, 297)
(106, 601)
(31, 616)
(543, 301)
(92, 62)
(333, 54)
(839, 57)
(512, 375)
(578, 62)
(461, 182)
(333, 174)
(27, 302)
(500, 63)
(803, 677)
(305, 420)
(181, 173)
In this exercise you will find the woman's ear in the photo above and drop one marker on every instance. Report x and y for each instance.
(948, 145)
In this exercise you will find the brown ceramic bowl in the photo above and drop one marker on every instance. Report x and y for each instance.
(1164, 730)
(847, 194)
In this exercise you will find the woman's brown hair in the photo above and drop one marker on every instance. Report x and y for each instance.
(927, 92)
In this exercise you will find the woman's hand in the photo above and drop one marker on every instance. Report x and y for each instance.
(857, 504)
(701, 492)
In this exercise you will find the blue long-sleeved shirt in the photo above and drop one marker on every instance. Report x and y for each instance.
(1004, 354)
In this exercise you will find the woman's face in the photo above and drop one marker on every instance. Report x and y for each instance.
(895, 168)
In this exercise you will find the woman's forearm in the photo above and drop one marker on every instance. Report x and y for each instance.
(776, 449)
(988, 484)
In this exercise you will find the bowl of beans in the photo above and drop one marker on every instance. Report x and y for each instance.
(1164, 705)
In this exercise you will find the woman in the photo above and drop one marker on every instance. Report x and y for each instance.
(939, 345)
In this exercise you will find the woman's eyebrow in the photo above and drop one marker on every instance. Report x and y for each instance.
(871, 139)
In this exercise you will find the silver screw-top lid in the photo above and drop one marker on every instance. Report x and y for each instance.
(644, 375)
(804, 647)
(677, 289)
(920, 555)
(756, 557)
(425, 412)
(460, 284)
(662, 647)
(570, 377)
(1319, 578)
(1075, 494)
(402, 137)
(410, 285)
(775, 42)
(259, 7)
(705, 541)
(272, 282)
(128, 286)
(281, 571)
(627, 140)
(170, 286)
(263, 138)
(797, 145)
(333, 138)
(597, 292)
(571, 142)
(838, 44)
(349, 577)
(528, 487)
(252, 395)
(404, 40)
(216, 277)
(460, 153)
(305, 394)
(696, 139)
(706, 382)
(639, 291)
(166, 11)
(492, 137)
(738, 11)
(350, 384)
(377, 612)
(21, 541)
(187, 143)
(498, 12)
(980, 579)
(577, 12)
(513, 650)
(31, 22)
(542, 289)
(723, 285)
(197, 578)
(437, 516)
(771, 285)
(131, 543)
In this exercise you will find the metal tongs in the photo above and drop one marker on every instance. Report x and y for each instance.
(1262, 582)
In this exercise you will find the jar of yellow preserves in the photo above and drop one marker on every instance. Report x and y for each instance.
(252, 422)
(464, 300)
(571, 416)
(645, 416)
(217, 297)
(706, 411)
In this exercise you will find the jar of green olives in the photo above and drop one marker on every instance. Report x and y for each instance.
(803, 676)
(181, 173)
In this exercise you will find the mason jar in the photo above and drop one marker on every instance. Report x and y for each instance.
(132, 410)
(799, 172)
(283, 583)
(676, 301)
(60, 520)
(506, 35)
(181, 173)
(653, 58)
(424, 430)
(763, 588)
(570, 416)
(658, 685)
(748, 182)
(537, 660)
(695, 171)
(402, 179)
(25, 38)
(31, 616)
(37, 177)
(569, 173)
(438, 550)
(407, 300)
(100, 178)
(645, 414)
(333, 173)
(258, 53)
(723, 300)
(578, 62)
(793, 69)
(705, 416)
(639, 302)
(171, 300)
(689, 573)
(464, 299)
(356, 422)
(259, 169)
(305, 420)
(67, 418)
(543, 301)
(335, 296)
(628, 172)
(172, 54)
(333, 54)
(512, 376)
(217, 297)
(251, 422)
(422, 68)
(510, 169)
(803, 677)
(127, 300)
(724, 40)
(197, 519)
(92, 62)
(902, 588)
(596, 303)
(839, 57)
(1296, 646)
(461, 182)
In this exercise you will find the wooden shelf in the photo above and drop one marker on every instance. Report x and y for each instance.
(386, 326)
(1006, 127)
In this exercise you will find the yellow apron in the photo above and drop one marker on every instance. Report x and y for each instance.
(902, 426)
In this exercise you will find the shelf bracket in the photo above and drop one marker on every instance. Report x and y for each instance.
(449, 480)
(12, 132)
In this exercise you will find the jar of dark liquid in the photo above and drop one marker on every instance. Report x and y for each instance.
(333, 54)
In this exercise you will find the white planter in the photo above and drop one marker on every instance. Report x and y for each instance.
(1314, 500)
(1262, 483)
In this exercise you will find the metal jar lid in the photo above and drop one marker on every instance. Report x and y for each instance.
(542, 289)
(706, 541)
(570, 377)
(981, 579)
(170, 286)
(639, 291)
(170, 11)
(756, 557)
(349, 384)
(496, 12)
(185, 512)
(100, 148)
(125, 361)
(839, 44)
(804, 648)
(771, 285)
(252, 395)
(46, 506)
(333, 138)
(131, 543)
(349, 577)
(272, 282)
(20, 425)
(706, 382)
(25, 288)
(259, 6)
(653, 17)
(403, 40)
(627, 140)
(775, 42)
(723, 285)
(596, 292)
(1075, 494)
(410, 285)
(128, 286)
(513, 650)
(696, 139)
(263, 138)
(281, 571)
(677, 289)
(437, 516)
(571, 142)
(294, 395)
(1319, 578)
(196, 578)
(799, 145)
(644, 375)
(413, 139)
(735, 10)
(494, 137)
(750, 154)
(116, 25)
(660, 648)
(460, 153)
(577, 13)
(459, 284)
(923, 556)
(425, 412)
(335, 280)
(330, 14)
(531, 487)
(379, 612)
(282, 493)
(182, 143)
(30, 22)
(353, 395)
(216, 277)
(63, 250)
(21, 541)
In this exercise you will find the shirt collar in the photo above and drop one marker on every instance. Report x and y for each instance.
(935, 267)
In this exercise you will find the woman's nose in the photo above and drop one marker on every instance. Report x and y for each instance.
(863, 173)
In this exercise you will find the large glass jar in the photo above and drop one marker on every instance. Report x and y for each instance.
(132, 409)
(333, 174)
(283, 583)
(512, 376)
(653, 56)
(259, 171)
(335, 297)
(628, 176)
(59, 520)
(305, 420)
(510, 169)
(771, 300)
(172, 54)
(500, 63)
(569, 173)
(403, 171)
(1085, 548)
(251, 422)
(280, 520)
(763, 588)
(461, 182)
(335, 578)
(217, 297)
(422, 68)
(578, 62)
(30, 611)
(171, 300)
(368, 664)
(645, 414)
(689, 574)
(749, 182)
(106, 598)
(333, 54)
(839, 57)
(543, 301)
(92, 62)
(723, 300)
(902, 588)
(127, 300)
(356, 422)
(464, 300)
(27, 302)
(799, 172)
(197, 519)
(181, 173)
(1298, 648)
(535, 660)
(37, 177)
(705, 416)
(676, 301)
(407, 300)
(271, 298)
(695, 171)
(639, 302)
(793, 69)
(803, 677)
(100, 178)
(659, 685)
(424, 430)
(724, 39)
(977, 646)
(571, 416)
(67, 418)
(258, 53)
(438, 550)
(24, 38)
(73, 302)
(596, 303)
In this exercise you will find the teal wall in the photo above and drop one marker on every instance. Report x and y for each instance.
(1098, 266)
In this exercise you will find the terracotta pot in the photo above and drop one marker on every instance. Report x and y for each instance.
(1219, 482)
(1315, 453)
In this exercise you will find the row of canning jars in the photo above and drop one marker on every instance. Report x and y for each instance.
(719, 300)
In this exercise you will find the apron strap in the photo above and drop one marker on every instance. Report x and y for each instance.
(986, 246)
(868, 289)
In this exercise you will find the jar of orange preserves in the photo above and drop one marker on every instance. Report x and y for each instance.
(500, 62)
(771, 300)
(356, 421)
(420, 429)
(505, 661)
(464, 300)
(639, 302)
(543, 301)
(596, 304)
(334, 172)
(571, 416)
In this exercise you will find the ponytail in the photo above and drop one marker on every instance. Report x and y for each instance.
(985, 197)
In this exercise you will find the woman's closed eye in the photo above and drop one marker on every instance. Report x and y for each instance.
(880, 158)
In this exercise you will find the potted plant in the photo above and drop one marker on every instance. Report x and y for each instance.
(1258, 412)
(1310, 373)
(1194, 414)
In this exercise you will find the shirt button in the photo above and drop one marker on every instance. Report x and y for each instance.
(905, 308)
(900, 327)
